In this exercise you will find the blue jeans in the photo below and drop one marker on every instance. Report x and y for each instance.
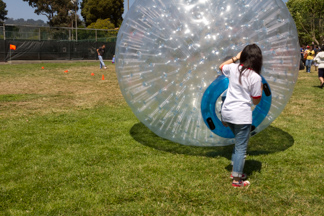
(102, 64)
(308, 64)
(242, 135)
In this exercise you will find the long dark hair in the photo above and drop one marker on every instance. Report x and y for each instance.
(251, 58)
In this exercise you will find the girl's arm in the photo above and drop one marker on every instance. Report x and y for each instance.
(256, 101)
(230, 61)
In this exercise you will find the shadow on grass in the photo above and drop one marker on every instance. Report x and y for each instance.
(317, 87)
(250, 167)
(269, 141)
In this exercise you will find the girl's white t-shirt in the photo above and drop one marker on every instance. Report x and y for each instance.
(237, 105)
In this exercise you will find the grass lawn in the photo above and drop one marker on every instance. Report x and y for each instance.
(70, 145)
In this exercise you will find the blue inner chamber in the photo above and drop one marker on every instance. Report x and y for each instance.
(208, 107)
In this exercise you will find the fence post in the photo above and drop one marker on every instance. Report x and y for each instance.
(76, 27)
(39, 54)
(39, 34)
(70, 50)
(4, 32)
(4, 42)
(4, 50)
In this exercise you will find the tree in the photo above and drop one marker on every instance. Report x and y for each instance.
(92, 10)
(57, 11)
(3, 11)
(309, 19)
(102, 24)
(33, 22)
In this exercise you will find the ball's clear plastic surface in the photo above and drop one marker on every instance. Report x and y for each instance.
(168, 52)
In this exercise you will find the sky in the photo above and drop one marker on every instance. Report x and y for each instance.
(20, 9)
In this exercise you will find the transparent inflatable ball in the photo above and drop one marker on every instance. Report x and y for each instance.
(167, 58)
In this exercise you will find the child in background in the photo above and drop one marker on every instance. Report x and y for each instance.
(101, 52)
(319, 59)
(245, 84)
(113, 59)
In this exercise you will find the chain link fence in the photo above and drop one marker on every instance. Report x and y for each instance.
(48, 43)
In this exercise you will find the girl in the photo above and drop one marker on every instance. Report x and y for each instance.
(245, 83)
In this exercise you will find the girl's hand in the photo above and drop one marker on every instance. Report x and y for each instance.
(230, 61)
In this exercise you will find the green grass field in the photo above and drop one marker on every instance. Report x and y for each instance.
(70, 145)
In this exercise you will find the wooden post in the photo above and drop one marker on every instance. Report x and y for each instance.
(76, 26)
(4, 32)
(4, 42)
(72, 28)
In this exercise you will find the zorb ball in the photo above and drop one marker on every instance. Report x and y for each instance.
(168, 53)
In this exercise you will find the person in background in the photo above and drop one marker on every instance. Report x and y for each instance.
(310, 56)
(113, 59)
(316, 50)
(101, 52)
(302, 50)
(319, 58)
(245, 88)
